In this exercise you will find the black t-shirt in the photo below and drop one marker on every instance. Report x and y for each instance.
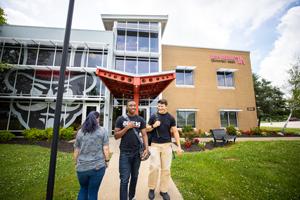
(162, 133)
(129, 141)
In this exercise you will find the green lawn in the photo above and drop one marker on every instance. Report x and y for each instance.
(287, 130)
(24, 173)
(247, 170)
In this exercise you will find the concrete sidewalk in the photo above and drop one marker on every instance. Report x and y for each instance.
(109, 189)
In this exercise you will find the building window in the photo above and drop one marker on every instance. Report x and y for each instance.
(137, 36)
(225, 79)
(228, 118)
(186, 118)
(136, 65)
(184, 77)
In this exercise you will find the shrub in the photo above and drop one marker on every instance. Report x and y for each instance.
(186, 129)
(66, 133)
(247, 132)
(49, 133)
(231, 130)
(35, 134)
(6, 136)
(255, 131)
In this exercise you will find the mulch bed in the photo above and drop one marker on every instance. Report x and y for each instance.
(63, 146)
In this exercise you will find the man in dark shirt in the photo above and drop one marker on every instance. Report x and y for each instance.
(126, 128)
(161, 125)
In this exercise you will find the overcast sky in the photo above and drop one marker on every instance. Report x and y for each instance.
(269, 29)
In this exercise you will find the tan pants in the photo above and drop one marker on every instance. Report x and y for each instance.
(160, 159)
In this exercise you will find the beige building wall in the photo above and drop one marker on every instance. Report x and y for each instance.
(205, 95)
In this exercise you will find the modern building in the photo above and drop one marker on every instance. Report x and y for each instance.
(213, 87)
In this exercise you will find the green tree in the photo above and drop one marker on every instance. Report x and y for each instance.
(294, 90)
(270, 102)
(3, 19)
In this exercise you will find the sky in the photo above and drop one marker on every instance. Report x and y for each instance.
(269, 29)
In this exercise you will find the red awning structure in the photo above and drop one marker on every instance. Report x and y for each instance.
(132, 86)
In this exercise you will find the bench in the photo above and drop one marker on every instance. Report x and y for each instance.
(221, 135)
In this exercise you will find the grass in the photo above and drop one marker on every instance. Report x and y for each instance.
(248, 170)
(24, 173)
(278, 129)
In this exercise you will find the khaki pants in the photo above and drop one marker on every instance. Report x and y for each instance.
(160, 159)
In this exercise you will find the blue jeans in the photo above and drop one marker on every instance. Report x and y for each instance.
(129, 164)
(89, 183)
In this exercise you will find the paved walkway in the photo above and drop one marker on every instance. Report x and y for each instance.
(109, 189)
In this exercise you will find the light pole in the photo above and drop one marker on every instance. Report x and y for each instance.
(59, 97)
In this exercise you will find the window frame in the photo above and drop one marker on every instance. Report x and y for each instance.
(186, 111)
(186, 69)
(228, 117)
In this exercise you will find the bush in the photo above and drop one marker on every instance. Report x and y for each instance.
(231, 130)
(6, 136)
(49, 133)
(255, 131)
(66, 133)
(35, 134)
(187, 129)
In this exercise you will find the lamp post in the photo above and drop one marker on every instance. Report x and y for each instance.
(60, 91)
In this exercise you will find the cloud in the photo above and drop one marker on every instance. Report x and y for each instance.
(286, 48)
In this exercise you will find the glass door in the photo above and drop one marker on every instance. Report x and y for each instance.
(89, 107)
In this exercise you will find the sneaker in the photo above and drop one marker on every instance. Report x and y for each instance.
(165, 195)
(133, 198)
(151, 194)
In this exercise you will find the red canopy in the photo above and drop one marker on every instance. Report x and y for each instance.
(132, 86)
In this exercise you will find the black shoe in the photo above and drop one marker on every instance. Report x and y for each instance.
(151, 194)
(165, 195)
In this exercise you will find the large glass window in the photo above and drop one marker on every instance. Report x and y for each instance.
(11, 54)
(31, 55)
(143, 65)
(76, 83)
(225, 79)
(42, 83)
(19, 115)
(121, 40)
(184, 77)
(186, 118)
(24, 81)
(144, 41)
(46, 56)
(228, 118)
(154, 42)
(94, 59)
(58, 57)
(154, 65)
(79, 58)
(131, 43)
(7, 79)
(130, 65)
(120, 64)
(135, 65)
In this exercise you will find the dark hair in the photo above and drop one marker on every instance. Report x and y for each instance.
(90, 124)
(163, 101)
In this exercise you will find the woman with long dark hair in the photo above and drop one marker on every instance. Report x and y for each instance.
(91, 155)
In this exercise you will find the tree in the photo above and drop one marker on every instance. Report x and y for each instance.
(294, 90)
(270, 103)
(3, 19)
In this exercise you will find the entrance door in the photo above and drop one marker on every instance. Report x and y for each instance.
(144, 113)
(89, 107)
